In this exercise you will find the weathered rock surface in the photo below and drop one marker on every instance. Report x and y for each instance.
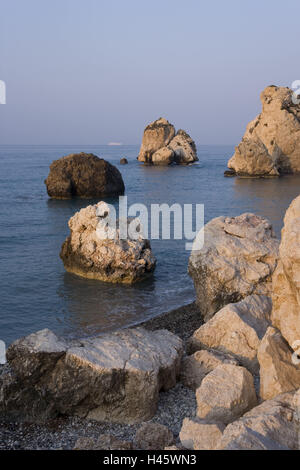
(226, 394)
(278, 374)
(104, 442)
(237, 259)
(286, 279)
(88, 253)
(115, 377)
(273, 425)
(153, 436)
(236, 329)
(160, 145)
(195, 367)
(271, 144)
(197, 434)
(83, 175)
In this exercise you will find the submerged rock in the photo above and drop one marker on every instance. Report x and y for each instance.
(271, 144)
(237, 329)
(83, 175)
(237, 260)
(115, 377)
(160, 145)
(278, 374)
(88, 253)
(123, 161)
(286, 279)
(273, 425)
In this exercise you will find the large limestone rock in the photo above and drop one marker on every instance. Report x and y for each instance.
(160, 145)
(197, 434)
(273, 425)
(236, 329)
(83, 175)
(286, 279)
(278, 373)
(271, 144)
(115, 377)
(237, 260)
(226, 394)
(88, 253)
(195, 367)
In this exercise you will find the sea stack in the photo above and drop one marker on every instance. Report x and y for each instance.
(96, 250)
(271, 143)
(161, 145)
(83, 175)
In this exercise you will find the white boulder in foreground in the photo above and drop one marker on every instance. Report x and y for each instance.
(225, 394)
(273, 425)
(271, 144)
(115, 377)
(197, 434)
(161, 146)
(286, 279)
(236, 329)
(86, 252)
(278, 374)
(238, 259)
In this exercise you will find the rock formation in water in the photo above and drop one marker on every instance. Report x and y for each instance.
(83, 175)
(286, 279)
(115, 377)
(161, 146)
(123, 161)
(96, 250)
(271, 144)
(237, 259)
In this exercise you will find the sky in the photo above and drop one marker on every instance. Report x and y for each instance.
(96, 71)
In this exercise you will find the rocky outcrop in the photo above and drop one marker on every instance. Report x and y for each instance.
(83, 175)
(153, 436)
(195, 367)
(115, 377)
(226, 394)
(238, 259)
(160, 145)
(197, 434)
(278, 374)
(271, 144)
(88, 253)
(286, 279)
(123, 161)
(236, 329)
(273, 425)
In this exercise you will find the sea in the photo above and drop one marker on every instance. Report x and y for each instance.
(35, 290)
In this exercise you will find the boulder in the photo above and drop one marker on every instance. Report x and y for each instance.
(123, 161)
(237, 259)
(88, 253)
(160, 145)
(83, 175)
(273, 425)
(158, 134)
(236, 329)
(153, 436)
(197, 434)
(195, 367)
(225, 394)
(278, 374)
(184, 148)
(271, 143)
(115, 377)
(286, 279)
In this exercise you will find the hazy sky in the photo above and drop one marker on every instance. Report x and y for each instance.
(95, 71)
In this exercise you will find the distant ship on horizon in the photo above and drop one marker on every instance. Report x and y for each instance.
(114, 143)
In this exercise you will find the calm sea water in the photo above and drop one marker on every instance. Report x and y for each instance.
(35, 290)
